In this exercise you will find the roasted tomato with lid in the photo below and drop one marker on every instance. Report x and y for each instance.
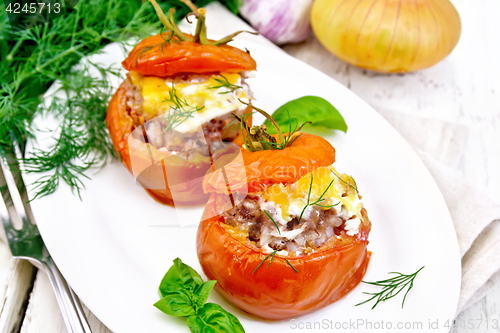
(284, 232)
(171, 118)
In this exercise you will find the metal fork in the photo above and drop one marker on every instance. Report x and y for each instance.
(26, 243)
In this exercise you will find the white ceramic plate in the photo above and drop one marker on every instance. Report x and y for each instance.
(115, 245)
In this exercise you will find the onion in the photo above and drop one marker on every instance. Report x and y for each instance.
(387, 35)
(281, 21)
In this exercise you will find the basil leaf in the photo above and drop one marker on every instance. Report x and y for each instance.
(176, 304)
(315, 109)
(213, 318)
(201, 294)
(184, 295)
(180, 276)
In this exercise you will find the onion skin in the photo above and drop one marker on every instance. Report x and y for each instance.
(389, 36)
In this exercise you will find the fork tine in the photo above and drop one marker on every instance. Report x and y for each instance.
(28, 244)
(9, 203)
(21, 187)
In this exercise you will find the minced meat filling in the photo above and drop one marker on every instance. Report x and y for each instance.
(215, 131)
(314, 229)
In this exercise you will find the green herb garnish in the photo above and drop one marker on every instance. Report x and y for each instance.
(313, 109)
(291, 137)
(273, 222)
(391, 287)
(181, 110)
(296, 271)
(32, 60)
(83, 134)
(272, 254)
(355, 187)
(200, 35)
(224, 82)
(184, 294)
(257, 137)
(320, 199)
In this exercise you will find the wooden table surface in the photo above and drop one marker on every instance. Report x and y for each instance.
(463, 89)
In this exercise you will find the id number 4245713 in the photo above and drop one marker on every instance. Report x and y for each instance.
(15, 8)
(473, 324)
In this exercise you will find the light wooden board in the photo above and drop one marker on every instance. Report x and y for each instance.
(462, 89)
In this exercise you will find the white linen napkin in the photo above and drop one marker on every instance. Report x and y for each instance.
(438, 143)
(475, 216)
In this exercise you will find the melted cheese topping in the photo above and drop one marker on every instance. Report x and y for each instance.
(328, 186)
(213, 96)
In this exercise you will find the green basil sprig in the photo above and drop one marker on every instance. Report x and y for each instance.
(184, 294)
(312, 109)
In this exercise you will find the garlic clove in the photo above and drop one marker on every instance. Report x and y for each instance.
(281, 21)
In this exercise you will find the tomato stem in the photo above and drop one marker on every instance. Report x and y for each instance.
(257, 138)
(200, 35)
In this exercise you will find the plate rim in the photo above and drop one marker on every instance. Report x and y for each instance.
(408, 148)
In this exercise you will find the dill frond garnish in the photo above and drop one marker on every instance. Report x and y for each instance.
(143, 51)
(317, 202)
(181, 110)
(296, 271)
(83, 141)
(273, 222)
(355, 187)
(272, 254)
(257, 138)
(391, 287)
(224, 82)
(32, 60)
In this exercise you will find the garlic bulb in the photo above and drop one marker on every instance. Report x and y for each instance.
(387, 35)
(281, 21)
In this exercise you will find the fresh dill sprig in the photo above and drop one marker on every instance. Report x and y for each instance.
(289, 139)
(317, 202)
(296, 271)
(32, 60)
(272, 254)
(391, 287)
(167, 39)
(181, 110)
(273, 222)
(235, 121)
(355, 187)
(257, 138)
(224, 82)
(292, 136)
(83, 141)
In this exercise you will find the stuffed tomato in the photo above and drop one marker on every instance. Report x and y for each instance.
(171, 117)
(295, 242)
